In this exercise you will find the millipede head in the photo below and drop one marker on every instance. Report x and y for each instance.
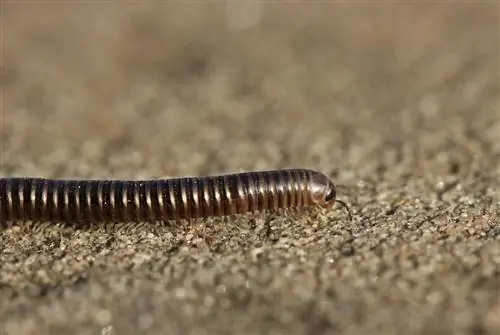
(325, 194)
(330, 195)
(330, 200)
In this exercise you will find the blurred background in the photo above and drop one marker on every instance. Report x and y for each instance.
(192, 88)
(397, 101)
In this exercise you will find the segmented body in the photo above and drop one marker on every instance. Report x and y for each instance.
(37, 199)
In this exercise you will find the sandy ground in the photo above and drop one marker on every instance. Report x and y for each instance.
(399, 104)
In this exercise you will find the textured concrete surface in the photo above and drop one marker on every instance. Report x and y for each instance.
(398, 103)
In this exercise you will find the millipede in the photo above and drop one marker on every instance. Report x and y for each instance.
(45, 200)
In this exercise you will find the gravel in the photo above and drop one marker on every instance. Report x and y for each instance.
(398, 103)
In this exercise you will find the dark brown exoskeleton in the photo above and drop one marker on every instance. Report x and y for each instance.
(37, 199)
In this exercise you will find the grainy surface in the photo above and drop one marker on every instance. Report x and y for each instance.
(398, 103)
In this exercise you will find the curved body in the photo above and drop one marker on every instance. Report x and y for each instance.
(36, 199)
